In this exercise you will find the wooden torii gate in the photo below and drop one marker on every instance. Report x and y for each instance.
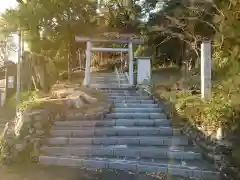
(91, 48)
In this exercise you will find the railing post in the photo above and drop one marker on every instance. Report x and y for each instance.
(88, 63)
(130, 55)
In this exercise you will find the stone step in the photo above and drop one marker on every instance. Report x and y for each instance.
(181, 153)
(193, 169)
(111, 122)
(115, 131)
(122, 140)
(132, 101)
(128, 109)
(123, 94)
(129, 98)
(119, 90)
(109, 85)
(136, 105)
(103, 76)
(106, 79)
(115, 81)
(136, 116)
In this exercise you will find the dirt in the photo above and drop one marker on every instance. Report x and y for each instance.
(6, 115)
(37, 172)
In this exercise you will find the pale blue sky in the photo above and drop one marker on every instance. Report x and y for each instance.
(7, 4)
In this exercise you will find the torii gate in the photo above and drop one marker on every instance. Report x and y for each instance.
(91, 49)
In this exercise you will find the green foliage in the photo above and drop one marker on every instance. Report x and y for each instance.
(26, 99)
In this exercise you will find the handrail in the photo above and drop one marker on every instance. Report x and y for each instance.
(126, 74)
(118, 77)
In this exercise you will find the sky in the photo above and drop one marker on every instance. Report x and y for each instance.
(7, 4)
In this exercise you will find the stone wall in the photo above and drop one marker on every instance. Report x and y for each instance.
(22, 138)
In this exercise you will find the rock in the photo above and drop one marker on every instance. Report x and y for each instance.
(62, 93)
(88, 98)
(5, 131)
(31, 130)
(38, 125)
(40, 132)
(19, 147)
(35, 149)
(74, 100)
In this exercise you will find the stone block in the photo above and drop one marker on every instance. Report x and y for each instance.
(208, 174)
(58, 141)
(179, 172)
(180, 141)
(87, 123)
(105, 141)
(124, 122)
(70, 162)
(153, 153)
(125, 152)
(144, 122)
(149, 169)
(105, 132)
(123, 131)
(128, 141)
(122, 165)
(146, 101)
(151, 141)
(140, 115)
(94, 164)
(102, 151)
(83, 133)
(46, 160)
(148, 132)
(106, 123)
(82, 141)
(160, 122)
(157, 116)
(60, 133)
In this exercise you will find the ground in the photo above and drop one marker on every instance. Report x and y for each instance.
(37, 172)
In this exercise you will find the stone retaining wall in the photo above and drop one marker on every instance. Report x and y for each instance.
(23, 137)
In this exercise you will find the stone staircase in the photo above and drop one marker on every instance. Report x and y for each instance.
(135, 136)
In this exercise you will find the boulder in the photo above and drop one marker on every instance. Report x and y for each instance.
(75, 100)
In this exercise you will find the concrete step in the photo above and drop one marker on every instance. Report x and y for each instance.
(136, 105)
(136, 116)
(129, 97)
(132, 101)
(128, 109)
(122, 140)
(115, 131)
(193, 169)
(110, 123)
(180, 153)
